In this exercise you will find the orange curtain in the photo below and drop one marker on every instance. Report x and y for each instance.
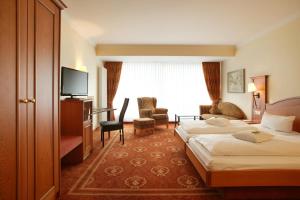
(211, 71)
(113, 78)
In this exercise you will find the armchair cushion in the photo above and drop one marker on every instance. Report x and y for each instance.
(231, 110)
(146, 113)
(214, 109)
(160, 116)
(161, 111)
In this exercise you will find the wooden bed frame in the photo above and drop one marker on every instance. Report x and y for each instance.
(250, 178)
(182, 142)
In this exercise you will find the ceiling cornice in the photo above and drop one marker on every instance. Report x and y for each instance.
(164, 50)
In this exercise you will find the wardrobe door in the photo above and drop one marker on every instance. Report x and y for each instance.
(47, 29)
(8, 105)
(31, 98)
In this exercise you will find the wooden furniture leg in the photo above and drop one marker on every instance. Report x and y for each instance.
(123, 135)
(102, 135)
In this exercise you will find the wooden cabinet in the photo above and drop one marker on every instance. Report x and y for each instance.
(77, 120)
(88, 139)
(29, 87)
(8, 105)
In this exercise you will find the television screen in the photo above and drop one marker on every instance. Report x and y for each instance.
(74, 82)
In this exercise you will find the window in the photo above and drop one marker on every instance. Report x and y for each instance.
(179, 87)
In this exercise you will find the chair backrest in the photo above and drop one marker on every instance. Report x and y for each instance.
(230, 109)
(124, 108)
(147, 102)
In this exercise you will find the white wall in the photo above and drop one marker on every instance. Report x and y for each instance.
(77, 52)
(276, 54)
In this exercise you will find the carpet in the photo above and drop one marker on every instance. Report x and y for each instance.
(147, 166)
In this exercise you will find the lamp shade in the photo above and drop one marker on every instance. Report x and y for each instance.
(81, 68)
(251, 87)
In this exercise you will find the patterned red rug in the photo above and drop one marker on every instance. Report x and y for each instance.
(147, 166)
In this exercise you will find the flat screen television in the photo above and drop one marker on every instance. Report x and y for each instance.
(73, 82)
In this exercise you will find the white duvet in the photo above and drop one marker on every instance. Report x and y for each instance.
(227, 145)
(201, 127)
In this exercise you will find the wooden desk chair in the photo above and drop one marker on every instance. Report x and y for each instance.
(107, 126)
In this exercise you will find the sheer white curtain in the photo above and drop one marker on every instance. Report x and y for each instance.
(180, 87)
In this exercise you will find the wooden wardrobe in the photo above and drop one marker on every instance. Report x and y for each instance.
(29, 92)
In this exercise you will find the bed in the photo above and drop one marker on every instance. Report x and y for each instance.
(190, 129)
(251, 170)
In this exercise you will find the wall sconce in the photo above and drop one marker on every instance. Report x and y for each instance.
(252, 88)
(81, 68)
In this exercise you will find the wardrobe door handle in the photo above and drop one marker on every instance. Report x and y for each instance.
(32, 100)
(24, 100)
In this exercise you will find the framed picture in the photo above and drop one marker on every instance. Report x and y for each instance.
(236, 81)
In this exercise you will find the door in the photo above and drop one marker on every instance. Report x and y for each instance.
(8, 105)
(29, 75)
(46, 99)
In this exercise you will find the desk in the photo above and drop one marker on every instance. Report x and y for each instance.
(178, 117)
(96, 111)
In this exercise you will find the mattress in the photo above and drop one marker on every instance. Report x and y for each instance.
(201, 127)
(185, 136)
(227, 145)
(245, 162)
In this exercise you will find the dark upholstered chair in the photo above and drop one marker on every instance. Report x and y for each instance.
(107, 126)
(147, 108)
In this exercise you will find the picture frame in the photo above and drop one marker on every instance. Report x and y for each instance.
(236, 81)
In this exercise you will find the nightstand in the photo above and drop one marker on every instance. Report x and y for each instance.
(249, 121)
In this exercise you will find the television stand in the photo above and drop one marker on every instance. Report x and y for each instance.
(78, 98)
(76, 129)
(72, 98)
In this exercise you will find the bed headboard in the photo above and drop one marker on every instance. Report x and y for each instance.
(288, 107)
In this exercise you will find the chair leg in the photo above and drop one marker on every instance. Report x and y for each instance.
(123, 135)
(120, 134)
(108, 134)
(134, 132)
(167, 125)
(102, 135)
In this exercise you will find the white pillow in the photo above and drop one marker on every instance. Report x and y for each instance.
(218, 121)
(278, 122)
(254, 137)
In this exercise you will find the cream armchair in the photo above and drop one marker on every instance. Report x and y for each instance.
(147, 108)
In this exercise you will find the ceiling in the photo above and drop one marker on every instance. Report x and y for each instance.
(177, 21)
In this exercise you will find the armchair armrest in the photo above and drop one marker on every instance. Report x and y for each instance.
(161, 111)
(204, 109)
(146, 113)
